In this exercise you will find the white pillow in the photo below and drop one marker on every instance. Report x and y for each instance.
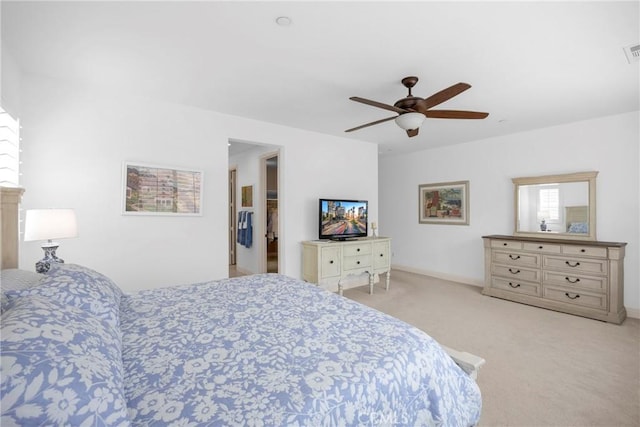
(14, 279)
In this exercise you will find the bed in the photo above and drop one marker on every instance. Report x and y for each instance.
(258, 350)
(577, 219)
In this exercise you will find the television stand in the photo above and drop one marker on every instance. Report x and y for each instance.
(328, 262)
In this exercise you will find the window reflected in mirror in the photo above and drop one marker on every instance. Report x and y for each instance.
(556, 206)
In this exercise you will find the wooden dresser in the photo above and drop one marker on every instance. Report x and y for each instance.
(585, 278)
(327, 263)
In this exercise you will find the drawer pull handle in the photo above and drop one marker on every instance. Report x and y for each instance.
(514, 272)
(381, 254)
(514, 257)
(358, 262)
(583, 250)
(331, 262)
(572, 265)
(358, 249)
(570, 297)
(540, 247)
(576, 280)
(517, 285)
(504, 244)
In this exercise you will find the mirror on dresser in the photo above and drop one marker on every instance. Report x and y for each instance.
(556, 206)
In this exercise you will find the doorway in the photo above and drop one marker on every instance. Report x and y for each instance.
(270, 179)
(258, 166)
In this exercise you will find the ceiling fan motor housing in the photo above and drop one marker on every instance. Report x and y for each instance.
(407, 103)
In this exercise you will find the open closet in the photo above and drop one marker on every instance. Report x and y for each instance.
(271, 210)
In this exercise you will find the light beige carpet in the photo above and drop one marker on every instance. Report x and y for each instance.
(543, 368)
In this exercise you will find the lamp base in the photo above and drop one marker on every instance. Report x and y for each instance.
(44, 264)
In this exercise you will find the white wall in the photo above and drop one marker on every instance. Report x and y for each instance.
(9, 82)
(74, 143)
(608, 145)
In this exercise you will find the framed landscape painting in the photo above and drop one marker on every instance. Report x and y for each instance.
(161, 190)
(444, 203)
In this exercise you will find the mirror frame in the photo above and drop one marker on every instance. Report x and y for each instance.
(589, 177)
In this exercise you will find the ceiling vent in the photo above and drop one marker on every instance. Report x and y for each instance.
(633, 53)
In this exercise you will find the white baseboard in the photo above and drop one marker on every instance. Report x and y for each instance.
(439, 275)
(631, 312)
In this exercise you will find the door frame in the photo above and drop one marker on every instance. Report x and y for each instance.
(233, 213)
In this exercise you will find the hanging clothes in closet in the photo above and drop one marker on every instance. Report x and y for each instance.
(272, 220)
(245, 228)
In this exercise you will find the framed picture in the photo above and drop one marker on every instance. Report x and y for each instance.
(161, 190)
(444, 203)
(247, 196)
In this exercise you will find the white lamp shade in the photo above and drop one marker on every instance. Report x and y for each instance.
(408, 121)
(47, 224)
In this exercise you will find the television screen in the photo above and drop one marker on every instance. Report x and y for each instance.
(341, 219)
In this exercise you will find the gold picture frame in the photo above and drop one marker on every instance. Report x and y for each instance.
(247, 196)
(444, 203)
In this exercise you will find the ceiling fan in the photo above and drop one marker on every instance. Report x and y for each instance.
(413, 110)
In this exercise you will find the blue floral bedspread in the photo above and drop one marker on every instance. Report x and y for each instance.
(270, 350)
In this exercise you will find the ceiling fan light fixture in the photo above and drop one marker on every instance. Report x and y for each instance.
(408, 121)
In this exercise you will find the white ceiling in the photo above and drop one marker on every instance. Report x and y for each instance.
(530, 64)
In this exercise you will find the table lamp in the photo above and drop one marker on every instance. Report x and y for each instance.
(48, 224)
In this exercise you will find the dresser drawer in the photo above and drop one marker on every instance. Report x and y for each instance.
(575, 265)
(353, 250)
(580, 298)
(516, 273)
(330, 262)
(508, 244)
(516, 258)
(549, 248)
(584, 250)
(516, 286)
(353, 262)
(578, 281)
(380, 255)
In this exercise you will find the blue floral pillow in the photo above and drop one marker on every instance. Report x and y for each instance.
(60, 366)
(78, 286)
(82, 273)
(579, 227)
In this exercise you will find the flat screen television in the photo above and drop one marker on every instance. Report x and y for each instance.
(342, 219)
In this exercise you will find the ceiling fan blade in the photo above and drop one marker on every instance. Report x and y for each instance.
(371, 124)
(378, 104)
(412, 132)
(455, 114)
(440, 97)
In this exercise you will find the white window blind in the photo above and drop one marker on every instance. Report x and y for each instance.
(549, 203)
(9, 150)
